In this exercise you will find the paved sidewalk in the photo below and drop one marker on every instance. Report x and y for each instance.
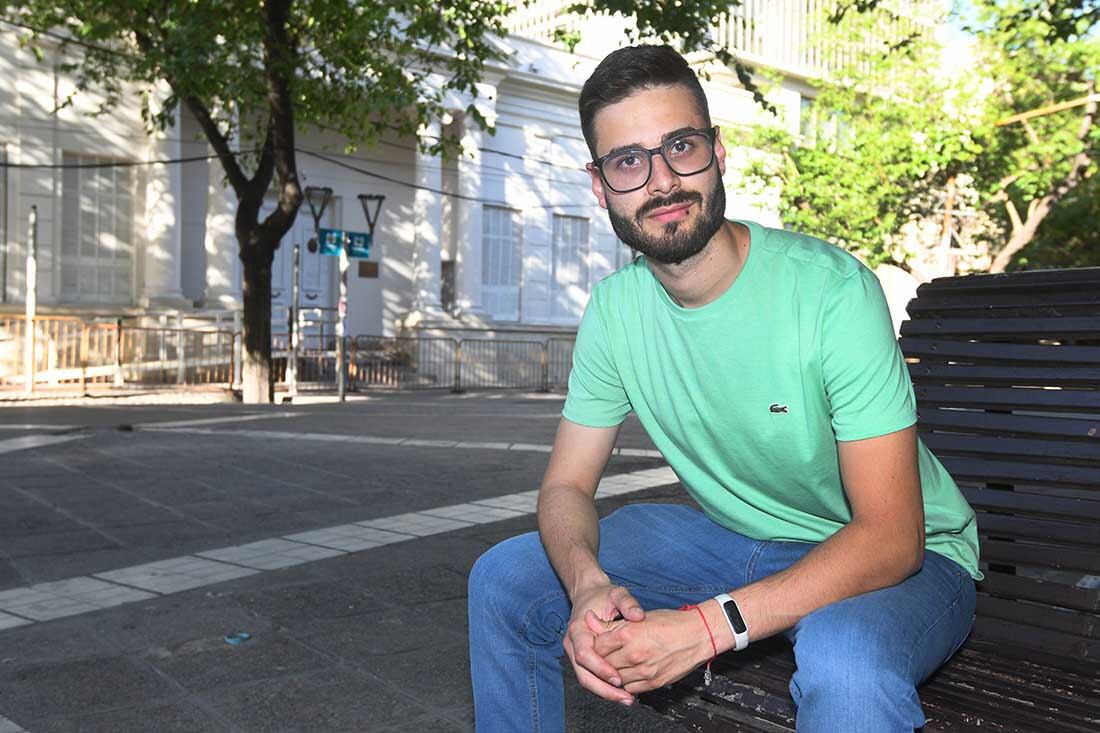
(338, 536)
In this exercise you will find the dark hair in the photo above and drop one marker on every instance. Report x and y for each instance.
(628, 70)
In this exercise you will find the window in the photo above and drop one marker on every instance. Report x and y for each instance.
(501, 262)
(569, 275)
(97, 232)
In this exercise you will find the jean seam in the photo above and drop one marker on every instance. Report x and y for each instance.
(750, 566)
(954, 602)
(532, 689)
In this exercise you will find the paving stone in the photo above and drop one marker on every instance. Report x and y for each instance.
(350, 537)
(179, 717)
(210, 664)
(78, 686)
(176, 574)
(303, 604)
(334, 700)
(270, 554)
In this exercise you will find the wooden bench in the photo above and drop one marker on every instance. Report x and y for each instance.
(1006, 370)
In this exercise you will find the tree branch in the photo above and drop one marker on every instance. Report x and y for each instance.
(219, 142)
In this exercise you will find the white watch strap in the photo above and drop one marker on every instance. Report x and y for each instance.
(740, 640)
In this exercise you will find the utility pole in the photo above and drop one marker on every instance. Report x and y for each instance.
(292, 325)
(31, 300)
(947, 259)
(341, 321)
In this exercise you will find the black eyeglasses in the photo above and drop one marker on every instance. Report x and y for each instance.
(686, 154)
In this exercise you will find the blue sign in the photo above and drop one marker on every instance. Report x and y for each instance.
(332, 241)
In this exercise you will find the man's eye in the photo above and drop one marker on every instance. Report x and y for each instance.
(628, 161)
(680, 147)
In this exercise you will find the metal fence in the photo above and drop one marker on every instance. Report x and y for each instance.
(71, 353)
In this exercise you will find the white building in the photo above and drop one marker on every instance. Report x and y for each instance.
(507, 237)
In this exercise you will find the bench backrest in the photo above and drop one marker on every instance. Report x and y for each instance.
(1006, 370)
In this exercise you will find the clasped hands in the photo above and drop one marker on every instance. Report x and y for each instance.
(619, 650)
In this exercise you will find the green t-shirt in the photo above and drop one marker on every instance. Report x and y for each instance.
(747, 396)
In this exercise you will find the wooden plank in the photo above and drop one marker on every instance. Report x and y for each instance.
(1041, 451)
(1046, 530)
(1007, 424)
(1086, 625)
(1052, 642)
(1029, 503)
(1060, 302)
(1034, 555)
(1001, 353)
(1041, 591)
(1009, 398)
(1061, 328)
(1033, 279)
(1007, 375)
(1012, 472)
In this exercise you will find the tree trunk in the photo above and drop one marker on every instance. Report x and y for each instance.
(258, 384)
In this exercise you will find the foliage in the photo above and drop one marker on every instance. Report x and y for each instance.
(894, 131)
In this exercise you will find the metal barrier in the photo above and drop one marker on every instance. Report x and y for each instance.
(72, 353)
(75, 354)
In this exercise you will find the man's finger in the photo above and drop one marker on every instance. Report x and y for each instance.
(595, 685)
(584, 655)
(595, 624)
(627, 606)
(606, 644)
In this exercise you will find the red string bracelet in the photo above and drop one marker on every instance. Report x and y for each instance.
(706, 673)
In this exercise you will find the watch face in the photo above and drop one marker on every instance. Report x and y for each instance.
(734, 615)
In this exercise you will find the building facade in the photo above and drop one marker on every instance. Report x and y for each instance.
(505, 237)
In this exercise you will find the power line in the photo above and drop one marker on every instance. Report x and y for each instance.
(461, 197)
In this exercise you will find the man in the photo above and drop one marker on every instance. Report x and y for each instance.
(763, 365)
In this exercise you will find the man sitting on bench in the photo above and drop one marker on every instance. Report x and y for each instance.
(763, 365)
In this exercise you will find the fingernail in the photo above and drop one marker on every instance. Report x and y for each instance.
(628, 701)
(615, 681)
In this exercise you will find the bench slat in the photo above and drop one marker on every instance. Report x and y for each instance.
(942, 349)
(1042, 616)
(1033, 589)
(1046, 530)
(1066, 327)
(997, 304)
(1011, 472)
(1014, 281)
(990, 445)
(1053, 642)
(1041, 504)
(1043, 556)
(933, 373)
(1006, 398)
(1007, 424)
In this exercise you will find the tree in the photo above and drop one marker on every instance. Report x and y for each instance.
(901, 135)
(253, 73)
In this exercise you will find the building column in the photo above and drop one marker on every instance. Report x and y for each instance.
(164, 223)
(469, 207)
(428, 212)
(223, 287)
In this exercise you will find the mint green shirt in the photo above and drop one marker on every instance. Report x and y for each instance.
(747, 396)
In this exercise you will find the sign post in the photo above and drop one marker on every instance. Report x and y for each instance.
(341, 322)
(292, 325)
(31, 300)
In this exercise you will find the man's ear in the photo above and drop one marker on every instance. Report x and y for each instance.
(720, 151)
(597, 184)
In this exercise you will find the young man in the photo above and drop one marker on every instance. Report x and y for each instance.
(763, 365)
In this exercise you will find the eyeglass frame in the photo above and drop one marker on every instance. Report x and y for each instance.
(711, 133)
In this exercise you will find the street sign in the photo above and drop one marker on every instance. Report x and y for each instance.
(332, 242)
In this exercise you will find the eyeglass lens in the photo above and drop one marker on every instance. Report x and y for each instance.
(686, 155)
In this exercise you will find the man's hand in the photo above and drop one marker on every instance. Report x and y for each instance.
(593, 612)
(657, 651)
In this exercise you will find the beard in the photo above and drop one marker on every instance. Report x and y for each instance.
(680, 240)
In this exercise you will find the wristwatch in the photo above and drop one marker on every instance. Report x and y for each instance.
(733, 618)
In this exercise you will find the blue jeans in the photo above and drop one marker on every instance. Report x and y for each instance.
(859, 661)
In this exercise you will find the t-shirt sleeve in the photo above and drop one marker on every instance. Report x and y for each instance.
(596, 396)
(866, 380)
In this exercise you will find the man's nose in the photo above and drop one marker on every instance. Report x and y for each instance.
(662, 179)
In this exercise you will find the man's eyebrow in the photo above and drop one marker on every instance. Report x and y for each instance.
(638, 146)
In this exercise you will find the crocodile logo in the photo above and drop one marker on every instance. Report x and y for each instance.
(777, 408)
